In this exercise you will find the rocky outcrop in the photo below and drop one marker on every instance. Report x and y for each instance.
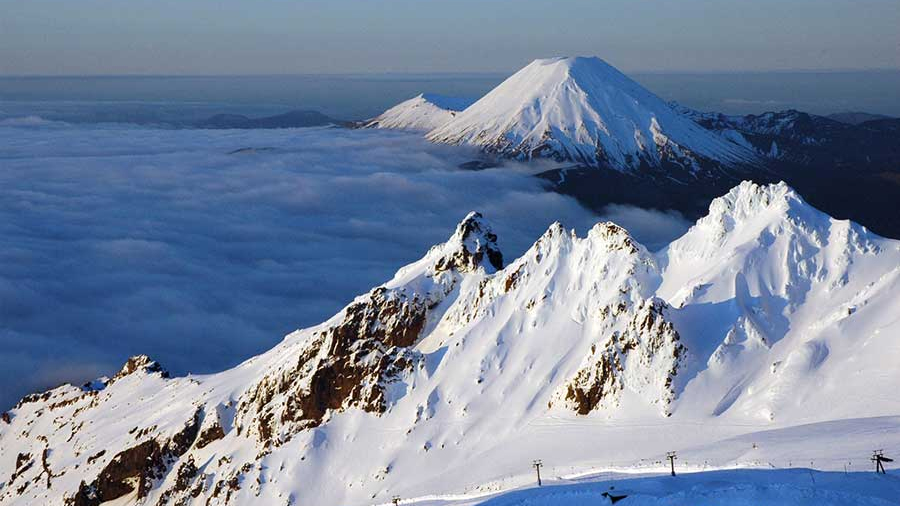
(478, 243)
(140, 363)
(136, 468)
(345, 366)
(643, 357)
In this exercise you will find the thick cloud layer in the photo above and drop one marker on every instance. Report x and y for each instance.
(201, 248)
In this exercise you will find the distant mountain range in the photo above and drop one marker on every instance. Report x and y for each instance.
(586, 115)
(291, 119)
(856, 118)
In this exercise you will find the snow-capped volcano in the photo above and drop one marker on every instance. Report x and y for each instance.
(585, 111)
(423, 112)
(450, 377)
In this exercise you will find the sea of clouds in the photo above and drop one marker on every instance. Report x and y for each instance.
(201, 248)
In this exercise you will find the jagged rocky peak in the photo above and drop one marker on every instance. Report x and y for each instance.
(558, 248)
(636, 349)
(471, 246)
(607, 252)
(614, 237)
(140, 363)
(763, 242)
(352, 360)
(583, 110)
(604, 236)
(67, 394)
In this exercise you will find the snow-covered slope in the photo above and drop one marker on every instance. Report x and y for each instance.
(424, 112)
(584, 110)
(589, 352)
(807, 306)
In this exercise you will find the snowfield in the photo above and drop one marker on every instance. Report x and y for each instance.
(763, 340)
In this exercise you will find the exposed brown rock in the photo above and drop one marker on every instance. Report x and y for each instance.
(346, 365)
(588, 388)
(23, 464)
(33, 398)
(71, 400)
(513, 279)
(138, 363)
(185, 474)
(138, 462)
(45, 467)
(96, 456)
(144, 463)
(617, 238)
(650, 336)
(184, 477)
(463, 260)
(212, 433)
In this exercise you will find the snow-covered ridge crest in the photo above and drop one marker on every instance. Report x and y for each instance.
(745, 202)
(581, 307)
(352, 360)
(423, 112)
(756, 212)
(583, 110)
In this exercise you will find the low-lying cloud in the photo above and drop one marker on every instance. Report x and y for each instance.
(653, 228)
(121, 240)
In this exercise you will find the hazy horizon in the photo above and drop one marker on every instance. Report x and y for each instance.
(205, 37)
(183, 99)
(505, 73)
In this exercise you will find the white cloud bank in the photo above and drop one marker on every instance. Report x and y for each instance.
(122, 240)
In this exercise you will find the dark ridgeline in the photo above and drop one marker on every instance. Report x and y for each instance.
(849, 171)
(292, 119)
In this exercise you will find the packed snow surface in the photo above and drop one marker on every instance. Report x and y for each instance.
(765, 337)
(794, 487)
(584, 110)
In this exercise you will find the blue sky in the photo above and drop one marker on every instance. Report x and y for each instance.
(345, 36)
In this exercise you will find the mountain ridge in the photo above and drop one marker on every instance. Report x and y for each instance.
(424, 112)
(758, 316)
